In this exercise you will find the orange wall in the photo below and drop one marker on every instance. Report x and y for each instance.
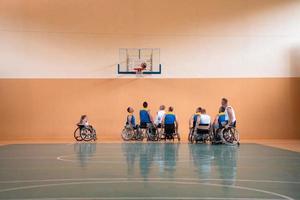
(50, 108)
(206, 38)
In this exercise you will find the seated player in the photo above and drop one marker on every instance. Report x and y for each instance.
(145, 116)
(170, 124)
(159, 117)
(219, 123)
(130, 120)
(204, 120)
(83, 122)
(222, 121)
(195, 119)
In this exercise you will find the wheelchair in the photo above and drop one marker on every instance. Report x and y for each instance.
(200, 134)
(229, 136)
(152, 132)
(83, 133)
(129, 133)
(169, 133)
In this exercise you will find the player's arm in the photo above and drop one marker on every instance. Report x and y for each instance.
(216, 120)
(191, 121)
(129, 121)
(163, 121)
(198, 121)
(150, 116)
(230, 116)
(176, 125)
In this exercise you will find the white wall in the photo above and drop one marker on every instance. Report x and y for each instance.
(197, 38)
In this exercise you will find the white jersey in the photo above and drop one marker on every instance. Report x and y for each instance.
(204, 119)
(233, 114)
(159, 117)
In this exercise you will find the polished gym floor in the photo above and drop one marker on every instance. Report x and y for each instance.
(148, 171)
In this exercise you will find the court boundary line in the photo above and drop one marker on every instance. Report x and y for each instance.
(148, 198)
(142, 181)
(169, 179)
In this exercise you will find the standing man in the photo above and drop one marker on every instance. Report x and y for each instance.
(229, 113)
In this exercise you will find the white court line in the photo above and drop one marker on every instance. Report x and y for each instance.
(65, 158)
(25, 158)
(166, 179)
(147, 198)
(136, 181)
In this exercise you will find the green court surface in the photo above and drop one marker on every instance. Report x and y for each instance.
(148, 171)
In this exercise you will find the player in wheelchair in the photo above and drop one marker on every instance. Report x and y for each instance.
(84, 131)
(224, 131)
(147, 126)
(158, 121)
(170, 126)
(131, 131)
(200, 127)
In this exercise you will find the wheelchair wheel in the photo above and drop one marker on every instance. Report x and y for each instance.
(87, 134)
(191, 133)
(152, 135)
(140, 134)
(178, 137)
(230, 136)
(77, 135)
(161, 134)
(127, 134)
(193, 138)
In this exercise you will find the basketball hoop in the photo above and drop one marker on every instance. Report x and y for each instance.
(139, 71)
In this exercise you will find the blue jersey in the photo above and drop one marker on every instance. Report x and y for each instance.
(132, 121)
(222, 118)
(170, 118)
(144, 116)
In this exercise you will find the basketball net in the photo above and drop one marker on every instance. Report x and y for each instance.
(139, 71)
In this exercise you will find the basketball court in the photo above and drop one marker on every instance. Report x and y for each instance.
(149, 99)
(148, 171)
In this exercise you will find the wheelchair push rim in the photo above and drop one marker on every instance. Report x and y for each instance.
(126, 134)
(230, 136)
(77, 135)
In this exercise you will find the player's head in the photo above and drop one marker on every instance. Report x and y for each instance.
(83, 117)
(221, 109)
(198, 109)
(145, 105)
(130, 110)
(224, 102)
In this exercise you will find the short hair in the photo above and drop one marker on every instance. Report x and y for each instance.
(162, 107)
(221, 109)
(171, 108)
(128, 109)
(83, 117)
(203, 111)
(225, 100)
(145, 104)
(198, 109)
